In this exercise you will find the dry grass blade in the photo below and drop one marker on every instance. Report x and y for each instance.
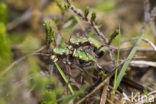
(141, 63)
(104, 95)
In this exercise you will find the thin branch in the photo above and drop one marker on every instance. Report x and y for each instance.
(104, 94)
(145, 40)
(150, 15)
(97, 88)
(141, 63)
(93, 25)
(150, 43)
(21, 59)
(106, 79)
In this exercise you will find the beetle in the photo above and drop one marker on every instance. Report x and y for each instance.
(62, 51)
(82, 40)
(77, 53)
(82, 55)
(69, 52)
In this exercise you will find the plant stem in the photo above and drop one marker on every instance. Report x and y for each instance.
(130, 56)
(117, 63)
(64, 77)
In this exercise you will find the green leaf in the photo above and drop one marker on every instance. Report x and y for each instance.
(146, 94)
(66, 5)
(56, 21)
(60, 5)
(93, 17)
(124, 67)
(86, 12)
(117, 61)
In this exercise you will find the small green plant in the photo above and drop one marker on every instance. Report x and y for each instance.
(147, 96)
(93, 17)
(60, 6)
(117, 62)
(50, 34)
(5, 51)
(129, 58)
(49, 97)
(86, 12)
(41, 85)
(67, 99)
(3, 13)
(64, 77)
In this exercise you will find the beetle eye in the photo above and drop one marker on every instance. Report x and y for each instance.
(53, 57)
(70, 47)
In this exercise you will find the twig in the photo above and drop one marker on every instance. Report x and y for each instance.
(145, 40)
(110, 102)
(150, 43)
(152, 14)
(104, 94)
(135, 85)
(149, 16)
(97, 88)
(93, 25)
(141, 63)
(21, 59)
(106, 78)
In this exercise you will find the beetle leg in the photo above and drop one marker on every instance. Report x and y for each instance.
(51, 68)
(68, 59)
(68, 69)
(93, 54)
(99, 66)
(77, 67)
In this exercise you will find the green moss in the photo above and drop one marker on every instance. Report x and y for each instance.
(40, 83)
(49, 97)
(3, 13)
(5, 51)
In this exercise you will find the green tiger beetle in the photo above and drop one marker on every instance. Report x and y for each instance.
(70, 52)
(77, 53)
(62, 51)
(83, 55)
(80, 40)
